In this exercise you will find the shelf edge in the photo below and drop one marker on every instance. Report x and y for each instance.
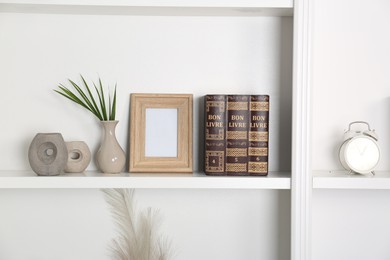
(25, 179)
(344, 180)
(160, 3)
(145, 10)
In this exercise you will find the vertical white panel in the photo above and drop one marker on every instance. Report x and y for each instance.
(301, 183)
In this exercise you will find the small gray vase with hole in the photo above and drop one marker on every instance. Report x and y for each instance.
(79, 157)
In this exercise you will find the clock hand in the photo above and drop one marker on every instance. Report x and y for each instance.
(358, 149)
(365, 147)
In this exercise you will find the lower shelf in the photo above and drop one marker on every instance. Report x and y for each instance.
(345, 180)
(28, 179)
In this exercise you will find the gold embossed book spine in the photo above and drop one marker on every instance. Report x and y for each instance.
(237, 135)
(258, 135)
(215, 134)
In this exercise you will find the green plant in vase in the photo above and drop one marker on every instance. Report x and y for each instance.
(110, 157)
(87, 100)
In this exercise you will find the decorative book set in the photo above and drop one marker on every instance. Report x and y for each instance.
(236, 135)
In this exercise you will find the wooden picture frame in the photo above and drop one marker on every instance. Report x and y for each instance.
(160, 133)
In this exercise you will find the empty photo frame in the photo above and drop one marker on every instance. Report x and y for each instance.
(161, 133)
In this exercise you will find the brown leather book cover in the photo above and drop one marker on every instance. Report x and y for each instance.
(237, 134)
(258, 135)
(215, 134)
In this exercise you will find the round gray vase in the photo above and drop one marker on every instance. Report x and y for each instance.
(79, 156)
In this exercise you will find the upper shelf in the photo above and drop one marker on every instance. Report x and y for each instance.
(345, 180)
(28, 179)
(153, 7)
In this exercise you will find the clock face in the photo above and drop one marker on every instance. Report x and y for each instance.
(362, 154)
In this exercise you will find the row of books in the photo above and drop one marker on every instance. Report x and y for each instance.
(236, 134)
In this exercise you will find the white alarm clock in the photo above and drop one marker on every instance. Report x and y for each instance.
(360, 151)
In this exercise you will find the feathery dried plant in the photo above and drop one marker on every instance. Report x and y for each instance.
(138, 230)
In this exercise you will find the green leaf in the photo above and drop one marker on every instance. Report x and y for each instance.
(85, 98)
(109, 105)
(68, 94)
(104, 103)
(100, 100)
(113, 110)
(92, 99)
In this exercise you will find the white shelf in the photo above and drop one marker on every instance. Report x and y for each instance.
(167, 3)
(152, 7)
(345, 180)
(28, 179)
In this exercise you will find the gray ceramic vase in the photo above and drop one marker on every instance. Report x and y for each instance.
(48, 154)
(79, 157)
(110, 157)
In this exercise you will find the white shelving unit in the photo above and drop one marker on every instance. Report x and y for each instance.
(296, 179)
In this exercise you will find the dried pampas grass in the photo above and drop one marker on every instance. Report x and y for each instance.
(138, 237)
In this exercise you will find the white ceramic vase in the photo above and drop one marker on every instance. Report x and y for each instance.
(110, 157)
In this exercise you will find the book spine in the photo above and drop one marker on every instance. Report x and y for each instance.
(215, 134)
(237, 135)
(258, 135)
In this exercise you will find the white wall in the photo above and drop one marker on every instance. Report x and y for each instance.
(351, 224)
(351, 81)
(67, 224)
(156, 54)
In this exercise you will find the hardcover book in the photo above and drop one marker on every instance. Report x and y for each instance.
(237, 134)
(258, 135)
(215, 134)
